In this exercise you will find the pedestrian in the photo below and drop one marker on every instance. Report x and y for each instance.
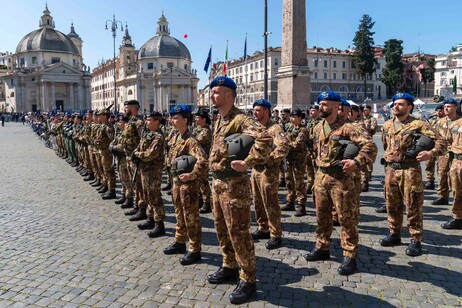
(334, 181)
(403, 175)
(231, 190)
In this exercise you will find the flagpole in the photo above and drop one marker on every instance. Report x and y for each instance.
(210, 90)
(246, 82)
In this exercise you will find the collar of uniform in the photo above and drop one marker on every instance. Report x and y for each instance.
(231, 114)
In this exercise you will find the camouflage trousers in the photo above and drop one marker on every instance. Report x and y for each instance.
(310, 170)
(430, 169)
(337, 191)
(456, 182)
(366, 172)
(150, 194)
(137, 187)
(204, 187)
(265, 182)
(124, 176)
(109, 176)
(405, 188)
(443, 176)
(357, 180)
(87, 160)
(185, 197)
(96, 163)
(295, 181)
(231, 211)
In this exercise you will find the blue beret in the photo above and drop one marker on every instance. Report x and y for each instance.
(180, 109)
(405, 96)
(223, 81)
(450, 101)
(262, 102)
(345, 103)
(329, 96)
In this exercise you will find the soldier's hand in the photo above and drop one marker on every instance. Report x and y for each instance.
(349, 165)
(239, 165)
(424, 155)
(185, 177)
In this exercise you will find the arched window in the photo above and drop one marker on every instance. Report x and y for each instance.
(130, 92)
(12, 94)
(360, 89)
(343, 89)
(324, 88)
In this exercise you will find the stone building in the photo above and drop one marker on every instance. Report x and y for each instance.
(449, 72)
(48, 71)
(158, 75)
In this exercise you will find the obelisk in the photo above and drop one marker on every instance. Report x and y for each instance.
(294, 74)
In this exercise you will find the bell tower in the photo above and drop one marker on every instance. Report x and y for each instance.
(127, 57)
(162, 26)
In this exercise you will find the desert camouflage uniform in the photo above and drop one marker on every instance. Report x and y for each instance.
(103, 138)
(333, 187)
(122, 166)
(296, 164)
(231, 193)
(132, 136)
(310, 156)
(265, 181)
(204, 136)
(431, 163)
(454, 137)
(403, 184)
(369, 124)
(185, 195)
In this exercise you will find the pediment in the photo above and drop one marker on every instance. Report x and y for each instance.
(60, 68)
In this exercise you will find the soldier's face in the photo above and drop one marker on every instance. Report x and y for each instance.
(178, 122)
(151, 123)
(343, 111)
(295, 120)
(401, 107)
(366, 112)
(259, 113)
(314, 113)
(199, 121)
(326, 108)
(220, 96)
(449, 110)
(121, 125)
(353, 115)
(89, 117)
(286, 116)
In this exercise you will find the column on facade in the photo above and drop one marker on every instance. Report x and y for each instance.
(79, 96)
(188, 91)
(38, 94)
(71, 96)
(44, 97)
(161, 100)
(183, 96)
(53, 98)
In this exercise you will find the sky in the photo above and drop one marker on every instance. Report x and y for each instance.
(424, 25)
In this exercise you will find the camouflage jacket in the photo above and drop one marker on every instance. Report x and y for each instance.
(186, 145)
(236, 122)
(280, 147)
(150, 150)
(443, 126)
(204, 136)
(296, 135)
(310, 131)
(327, 148)
(104, 136)
(369, 124)
(132, 134)
(453, 136)
(397, 140)
(117, 145)
(93, 132)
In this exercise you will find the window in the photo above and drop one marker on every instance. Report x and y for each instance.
(130, 92)
(335, 64)
(34, 60)
(315, 75)
(251, 66)
(334, 76)
(240, 69)
(315, 63)
(325, 75)
(344, 64)
(251, 77)
(325, 63)
(276, 61)
(55, 60)
(344, 76)
(443, 74)
(22, 61)
(256, 65)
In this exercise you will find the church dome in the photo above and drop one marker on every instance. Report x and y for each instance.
(46, 38)
(163, 45)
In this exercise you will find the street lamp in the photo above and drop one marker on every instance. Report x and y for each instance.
(114, 26)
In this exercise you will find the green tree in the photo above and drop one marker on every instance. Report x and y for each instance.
(394, 69)
(363, 56)
(428, 73)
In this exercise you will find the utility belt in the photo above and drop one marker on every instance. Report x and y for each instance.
(259, 168)
(401, 166)
(456, 156)
(227, 173)
(331, 169)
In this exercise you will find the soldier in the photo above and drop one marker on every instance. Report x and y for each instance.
(132, 136)
(203, 135)
(443, 126)
(126, 201)
(334, 181)
(103, 138)
(275, 118)
(231, 190)
(369, 123)
(311, 156)
(430, 164)
(296, 165)
(264, 180)
(403, 178)
(185, 191)
(85, 138)
(149, 156)
(170, 133)
(454, 136)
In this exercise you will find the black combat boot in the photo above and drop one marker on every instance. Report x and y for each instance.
(382, 209)
(301, 210)
(95, 183)
(103, 189)
(364, 186)
(223, 274)
(175, 248)
(282, 183)
(79, 168)
(391, 240)
(158, 230)
(290, 206)
(455, 224)
(317, 255)
(140, 215)
(121, 200)
(167, 187)
(336, 223)
(201, 201)
(133, 211)
(89, 177)
(148, 224)
(128, 204)
(243, 292)
(441, 201)
(430, 185)
(273, 243)
(260, 235)
(110, 194)
(414, 249)
(190, 258)
(83, 173)
(309, 190)
(206, 208)
(348, 266)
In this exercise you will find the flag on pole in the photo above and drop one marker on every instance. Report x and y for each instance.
(245, 48)
(226, 59)
(207, 62)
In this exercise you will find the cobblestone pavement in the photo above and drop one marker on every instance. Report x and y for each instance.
(61, 245)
